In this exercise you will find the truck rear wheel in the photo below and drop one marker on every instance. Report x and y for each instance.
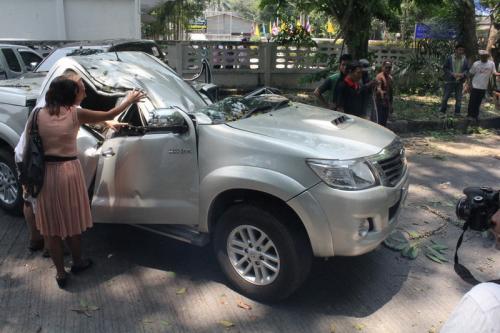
(262, 257)
(10, 190)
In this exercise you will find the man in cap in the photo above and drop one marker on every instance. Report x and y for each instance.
(480, 74)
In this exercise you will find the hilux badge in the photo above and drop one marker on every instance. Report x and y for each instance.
(179, 151)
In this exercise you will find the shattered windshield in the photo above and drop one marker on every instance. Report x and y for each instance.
(237, 107)
(51, 59)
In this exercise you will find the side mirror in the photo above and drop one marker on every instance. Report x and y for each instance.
(167, 120)
(31, 66)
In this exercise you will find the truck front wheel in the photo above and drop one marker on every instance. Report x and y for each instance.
(263, 257)
(10, 192)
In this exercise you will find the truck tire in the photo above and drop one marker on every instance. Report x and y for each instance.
(11, 198)
(262, 257)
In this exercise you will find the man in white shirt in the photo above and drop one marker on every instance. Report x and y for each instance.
(479, 309)
(480, 73)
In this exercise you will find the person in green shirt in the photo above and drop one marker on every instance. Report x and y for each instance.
(331, 83)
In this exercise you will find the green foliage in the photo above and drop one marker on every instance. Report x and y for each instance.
(419, 75)
(172, 18)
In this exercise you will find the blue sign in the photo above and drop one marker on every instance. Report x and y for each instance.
(427, 31)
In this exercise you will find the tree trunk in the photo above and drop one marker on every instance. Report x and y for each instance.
(466, 15)
(493, 39)
(356, 33)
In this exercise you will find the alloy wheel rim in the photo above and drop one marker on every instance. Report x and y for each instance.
(8, 185)
(253, 255)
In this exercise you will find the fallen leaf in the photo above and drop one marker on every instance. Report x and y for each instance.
(396, 241)
(148, 321)
(244, 305)
(436, 254)
(165, 322)
(359, 327)
(181, 291)
(172, 274)
(490, 259)
(413, 234)
(226, 323)
(110, 255)
(332, 328)
(81, 311)
(432, 330)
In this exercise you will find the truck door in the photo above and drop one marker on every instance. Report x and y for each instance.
(149, 174)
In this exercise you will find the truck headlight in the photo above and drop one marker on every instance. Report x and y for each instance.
(347, 175)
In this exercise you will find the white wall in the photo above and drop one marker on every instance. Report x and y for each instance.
(69, 19)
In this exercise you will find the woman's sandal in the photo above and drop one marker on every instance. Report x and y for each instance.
(86, 263)
(62, 280)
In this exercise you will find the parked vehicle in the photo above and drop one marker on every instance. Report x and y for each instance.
(269, 182)
(16, 60)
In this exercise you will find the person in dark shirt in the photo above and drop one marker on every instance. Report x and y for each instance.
(331, 82)
(350, 91)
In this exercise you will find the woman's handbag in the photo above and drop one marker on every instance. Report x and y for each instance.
(32, 168)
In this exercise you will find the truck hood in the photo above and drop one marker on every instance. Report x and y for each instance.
(324, 133)
(18, 91)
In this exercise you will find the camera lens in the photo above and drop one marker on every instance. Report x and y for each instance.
(478, 199)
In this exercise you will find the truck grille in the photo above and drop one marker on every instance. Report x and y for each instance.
(391, 163)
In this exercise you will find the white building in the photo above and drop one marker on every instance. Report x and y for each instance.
(70, 19)
(226, 23)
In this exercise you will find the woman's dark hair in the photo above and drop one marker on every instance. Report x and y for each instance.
(62, 92)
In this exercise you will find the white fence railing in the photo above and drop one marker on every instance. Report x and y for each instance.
(246, 65)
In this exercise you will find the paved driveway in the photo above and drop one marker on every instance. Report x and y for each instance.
(145, 283)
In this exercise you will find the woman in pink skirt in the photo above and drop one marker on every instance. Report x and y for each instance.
(63, 209)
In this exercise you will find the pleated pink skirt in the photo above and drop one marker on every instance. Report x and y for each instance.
(62, 207)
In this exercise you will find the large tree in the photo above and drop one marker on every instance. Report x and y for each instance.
(354, 17)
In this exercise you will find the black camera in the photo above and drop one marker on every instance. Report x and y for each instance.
(478, 206)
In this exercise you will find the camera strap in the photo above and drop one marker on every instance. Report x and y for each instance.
(460, 269)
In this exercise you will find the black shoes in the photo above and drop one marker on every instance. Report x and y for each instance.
(62, 280)
(85, 264)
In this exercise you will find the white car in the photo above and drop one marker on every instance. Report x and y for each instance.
(269, 182)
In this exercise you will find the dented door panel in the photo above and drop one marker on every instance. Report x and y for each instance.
(148, 179)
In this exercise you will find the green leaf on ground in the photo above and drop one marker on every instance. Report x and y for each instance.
(165, 322)
(181, 291)
(410, 252)
(433, 258)
(438, 247)
(413, 234)
(436, 254)
(396, 241)
(226, 323)
(359, 327)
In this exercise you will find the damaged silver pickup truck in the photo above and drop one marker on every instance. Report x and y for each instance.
(268, 182)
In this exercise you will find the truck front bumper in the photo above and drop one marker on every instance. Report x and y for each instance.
(333, 217)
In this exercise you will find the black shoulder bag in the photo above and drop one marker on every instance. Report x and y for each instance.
(32, 168)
